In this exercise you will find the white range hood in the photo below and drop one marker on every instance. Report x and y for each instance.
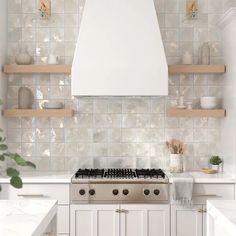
(119, 50)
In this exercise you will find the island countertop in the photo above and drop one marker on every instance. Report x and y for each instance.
(223, 213)
(26, 217)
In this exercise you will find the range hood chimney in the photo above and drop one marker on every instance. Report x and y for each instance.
(119, 50)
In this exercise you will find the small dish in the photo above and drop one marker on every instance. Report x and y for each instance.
(52, 105)
(181, 107)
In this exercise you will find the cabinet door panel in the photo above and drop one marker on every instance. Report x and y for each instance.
(94, 220)
(186, 221)
(145, 220)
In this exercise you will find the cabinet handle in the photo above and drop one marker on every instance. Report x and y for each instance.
(30, 195)
(200, 210)
(207, 195)
(205, 210)
(124, 211)
(118, 211)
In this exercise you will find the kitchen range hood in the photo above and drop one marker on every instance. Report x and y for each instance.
(119, 50)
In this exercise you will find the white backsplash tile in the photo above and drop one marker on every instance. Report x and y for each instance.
(111, 132)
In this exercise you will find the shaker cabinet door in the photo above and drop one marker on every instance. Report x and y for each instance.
(145, 220)
(186, 221)
(94, 220)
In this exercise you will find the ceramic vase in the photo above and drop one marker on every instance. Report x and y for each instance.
(205, 54)
(23, 57)
(176, 163)
(25, 98)
(215, 167)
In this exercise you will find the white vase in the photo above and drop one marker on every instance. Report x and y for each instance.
(215, 167)
(176, 163)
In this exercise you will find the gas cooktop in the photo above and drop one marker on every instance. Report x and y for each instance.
(119, 186)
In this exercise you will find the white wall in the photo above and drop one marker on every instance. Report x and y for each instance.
(228, 25)
(3, 50)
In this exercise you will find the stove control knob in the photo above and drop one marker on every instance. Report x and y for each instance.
(91, 192)
(115, 191)
(146, 192)
(125, 191)
(156, 191)
(82, 192)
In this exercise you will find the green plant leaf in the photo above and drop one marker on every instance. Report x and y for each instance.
(3, 147)
(2, 140)
(2, 158)
(31, 164)
(17, 158)
(11, 172)
(1, 130)
(16, 182)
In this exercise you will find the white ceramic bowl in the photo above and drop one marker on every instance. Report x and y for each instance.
(208, 102)
(52, 105)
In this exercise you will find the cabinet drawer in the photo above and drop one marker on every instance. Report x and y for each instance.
(59, 192)
(63, 220)
(204, 192)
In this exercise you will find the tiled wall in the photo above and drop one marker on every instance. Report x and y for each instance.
(114, 132)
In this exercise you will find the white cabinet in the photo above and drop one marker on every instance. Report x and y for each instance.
(186, 221)
(120, 220)
(191, 221)
(145, 220)
(94, 220)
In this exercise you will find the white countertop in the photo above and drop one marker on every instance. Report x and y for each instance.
(25, 217)
(224, 213)
(65, 177)
(43, 177)
(203, 178)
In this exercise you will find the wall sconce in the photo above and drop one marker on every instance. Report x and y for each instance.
(45, 8)
(192, 9)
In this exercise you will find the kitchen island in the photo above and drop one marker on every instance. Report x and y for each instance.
(28, 217)
(221, 218)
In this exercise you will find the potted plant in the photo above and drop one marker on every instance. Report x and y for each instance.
(215, 161)
(5, 156)
(177, 149)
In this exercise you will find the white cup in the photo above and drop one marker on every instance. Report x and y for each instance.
(52, 59)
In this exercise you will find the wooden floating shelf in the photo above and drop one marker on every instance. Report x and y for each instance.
(66, 69)
(37, 69)
(38, 113)
(197, 69)
(196, 113)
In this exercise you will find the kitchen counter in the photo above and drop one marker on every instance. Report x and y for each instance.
(26, 217)
(65, 177)
(202, 178)
(221, 218)
(43, 177)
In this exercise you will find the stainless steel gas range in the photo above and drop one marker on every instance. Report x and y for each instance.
(119, 186)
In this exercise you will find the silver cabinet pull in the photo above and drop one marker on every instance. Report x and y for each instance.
(205, 211)
(124, 211)
(118, 211)
(30, 195)
(206, 195)
(200, 210)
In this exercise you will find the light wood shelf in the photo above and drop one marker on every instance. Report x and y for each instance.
(196, 113)
(197, 69)
(37, 113)
(37, 69)
(66, 69)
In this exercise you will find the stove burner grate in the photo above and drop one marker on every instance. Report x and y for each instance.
(119, 173)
